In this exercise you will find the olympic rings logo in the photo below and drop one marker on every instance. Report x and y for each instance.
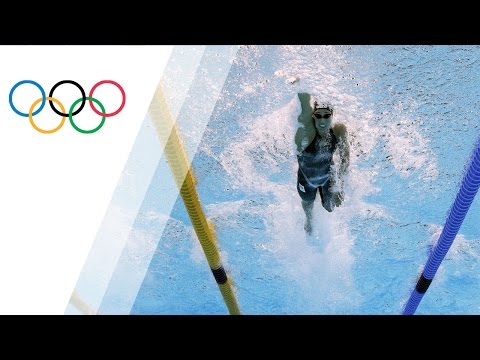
(71, 112)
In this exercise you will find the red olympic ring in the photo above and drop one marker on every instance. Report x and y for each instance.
(119, 88)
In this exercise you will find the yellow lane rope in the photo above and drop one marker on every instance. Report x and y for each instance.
(180, 166)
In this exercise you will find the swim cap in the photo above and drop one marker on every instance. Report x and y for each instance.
(322, 105)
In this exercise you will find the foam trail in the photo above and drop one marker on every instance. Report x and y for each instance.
(321, 263)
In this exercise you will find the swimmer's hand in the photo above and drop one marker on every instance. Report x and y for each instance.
(338, 197)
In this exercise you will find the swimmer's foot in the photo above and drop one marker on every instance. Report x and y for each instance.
(308, 227)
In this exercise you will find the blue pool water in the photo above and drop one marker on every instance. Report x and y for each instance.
(412, 117)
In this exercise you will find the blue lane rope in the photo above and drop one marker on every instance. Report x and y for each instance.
(465, 196)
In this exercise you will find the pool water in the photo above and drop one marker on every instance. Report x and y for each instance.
(412, 118)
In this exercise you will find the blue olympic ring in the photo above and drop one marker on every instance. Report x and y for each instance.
(10, 97)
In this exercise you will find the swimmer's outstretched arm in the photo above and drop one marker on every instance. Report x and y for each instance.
(305, 127)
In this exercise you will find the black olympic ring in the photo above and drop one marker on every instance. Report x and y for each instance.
(67, 82)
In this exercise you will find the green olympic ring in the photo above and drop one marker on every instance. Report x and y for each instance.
(70, 116)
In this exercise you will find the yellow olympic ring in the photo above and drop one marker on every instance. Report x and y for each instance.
(30, 116)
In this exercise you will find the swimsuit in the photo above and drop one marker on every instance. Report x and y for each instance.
(314, 168)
